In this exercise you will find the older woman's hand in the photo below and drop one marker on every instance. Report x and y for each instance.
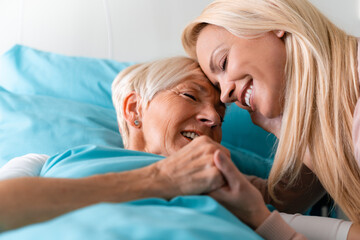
(191, 170)
(239, 196)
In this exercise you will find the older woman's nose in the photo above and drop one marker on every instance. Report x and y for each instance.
(209, 117)
(228, 92)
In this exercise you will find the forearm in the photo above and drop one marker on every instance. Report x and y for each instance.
(314, 227)
(274, 227)
(28, 200)
(354, 232)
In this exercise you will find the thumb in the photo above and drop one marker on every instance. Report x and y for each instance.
(227, 168)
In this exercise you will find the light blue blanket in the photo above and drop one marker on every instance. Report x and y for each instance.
(184, 217)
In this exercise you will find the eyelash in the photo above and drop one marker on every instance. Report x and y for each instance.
(189, 96)
(223, 63)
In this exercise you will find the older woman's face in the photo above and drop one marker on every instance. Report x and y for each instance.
(176, 116)
(249, 72)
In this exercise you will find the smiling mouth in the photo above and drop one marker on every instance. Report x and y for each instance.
(190, 135)
(246, 94)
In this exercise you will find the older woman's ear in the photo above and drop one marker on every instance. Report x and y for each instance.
(132, 109)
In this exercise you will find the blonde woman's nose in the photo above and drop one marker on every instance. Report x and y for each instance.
(227, 92)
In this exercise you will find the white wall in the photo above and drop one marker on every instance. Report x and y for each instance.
(124, 30)
(344, 13)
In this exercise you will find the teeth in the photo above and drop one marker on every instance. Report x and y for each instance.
(247, 102)
(191, 135)
(248, 95)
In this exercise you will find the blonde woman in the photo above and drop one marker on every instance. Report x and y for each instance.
(297, 75)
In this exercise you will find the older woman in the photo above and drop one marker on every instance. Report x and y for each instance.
(166, 107)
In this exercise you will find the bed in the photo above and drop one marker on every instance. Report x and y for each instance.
(61, 106)
(55, 99)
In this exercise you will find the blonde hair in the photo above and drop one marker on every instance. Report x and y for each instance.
(321, 89)
(147, 79)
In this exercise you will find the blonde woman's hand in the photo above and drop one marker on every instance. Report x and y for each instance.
(272, 125)
(191, 170)
(239, 196)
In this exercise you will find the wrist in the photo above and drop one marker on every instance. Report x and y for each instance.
(156, 183)
(256, 218)
(145, 182)
(163, 186)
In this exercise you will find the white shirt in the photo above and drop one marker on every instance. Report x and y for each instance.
(29, 165)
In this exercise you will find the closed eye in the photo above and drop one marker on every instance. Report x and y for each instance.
(223, 63)
(189, 96)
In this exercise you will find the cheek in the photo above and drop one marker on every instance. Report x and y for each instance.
(155, 135)
(277, 92)
(153, 124)
(268, 100)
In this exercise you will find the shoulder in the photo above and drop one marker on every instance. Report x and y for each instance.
(28, 165)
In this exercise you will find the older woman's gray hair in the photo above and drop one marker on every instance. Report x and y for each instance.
(147, 79)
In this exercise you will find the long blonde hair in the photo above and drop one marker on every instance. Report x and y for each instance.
(321, 89)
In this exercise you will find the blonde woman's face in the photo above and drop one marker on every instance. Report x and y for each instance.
(249, 72)
(176, 116)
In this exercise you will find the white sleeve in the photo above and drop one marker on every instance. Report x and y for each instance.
(314, 227)
(28, 165)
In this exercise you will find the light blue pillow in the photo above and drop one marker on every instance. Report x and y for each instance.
(44, 124)
(51, 102)
(24, 70)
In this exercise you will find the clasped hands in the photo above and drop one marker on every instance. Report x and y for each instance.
(205, 167)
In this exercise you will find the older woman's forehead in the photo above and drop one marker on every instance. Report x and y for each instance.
(202, 84)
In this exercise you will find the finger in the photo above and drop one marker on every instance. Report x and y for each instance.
(231, 174)
(225, 150)
(205, 144)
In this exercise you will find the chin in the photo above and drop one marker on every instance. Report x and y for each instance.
(271, 113)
